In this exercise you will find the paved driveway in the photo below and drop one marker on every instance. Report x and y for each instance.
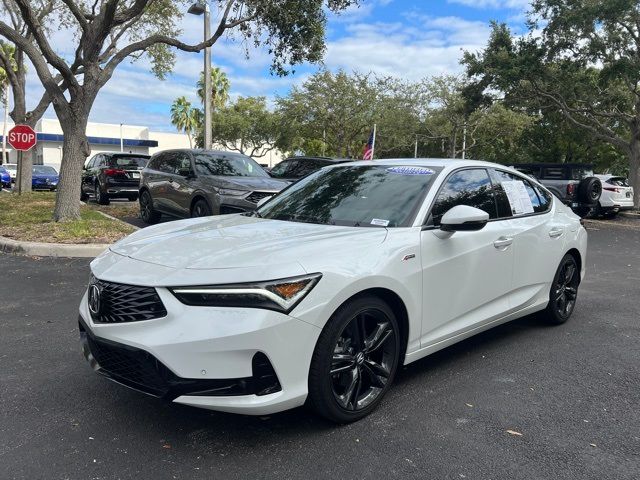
(573, 392)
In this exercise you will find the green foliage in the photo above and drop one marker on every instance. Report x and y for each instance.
(185, 117)
(220, 87)
(246, 126)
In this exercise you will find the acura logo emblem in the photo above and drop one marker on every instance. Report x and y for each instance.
(94, 299)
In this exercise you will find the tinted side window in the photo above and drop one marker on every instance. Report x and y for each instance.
(182, 161)
(279, 171)
(467, 187)
(167, 163)
(304, 168)
(539, 202)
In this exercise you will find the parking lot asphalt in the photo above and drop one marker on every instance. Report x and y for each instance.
(569, 395)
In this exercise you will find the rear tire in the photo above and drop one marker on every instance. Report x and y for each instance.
(101, 198)
(355, 360)
(83, 196)
(148, 214)
(564, 292)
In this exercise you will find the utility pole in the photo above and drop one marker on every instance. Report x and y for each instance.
(464, 141)
(207, 79)
(121, 140)
(415, 150)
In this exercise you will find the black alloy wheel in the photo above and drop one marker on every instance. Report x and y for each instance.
(564, 291)
(355, 360)
(200, 209)
(147, 212)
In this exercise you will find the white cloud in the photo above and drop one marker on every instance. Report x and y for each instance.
(495, 4)
(426, 46)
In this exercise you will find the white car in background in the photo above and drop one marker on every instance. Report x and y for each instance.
(329, 287)
(13, 170)
(617, 195)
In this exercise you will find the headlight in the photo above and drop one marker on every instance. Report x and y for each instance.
(281, 295)
(232, 193)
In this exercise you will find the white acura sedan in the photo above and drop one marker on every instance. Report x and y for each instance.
(330, 286)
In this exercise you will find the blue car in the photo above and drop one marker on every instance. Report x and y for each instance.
(5, 178)
(44, 177)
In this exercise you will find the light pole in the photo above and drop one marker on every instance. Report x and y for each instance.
(200, 8)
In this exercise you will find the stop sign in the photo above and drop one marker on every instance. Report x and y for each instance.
(22, 137)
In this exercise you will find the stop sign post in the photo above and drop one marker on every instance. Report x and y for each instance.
(21, 138)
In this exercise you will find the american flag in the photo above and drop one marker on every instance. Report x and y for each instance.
(367, 154)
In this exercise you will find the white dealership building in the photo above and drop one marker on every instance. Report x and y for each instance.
(109, 137)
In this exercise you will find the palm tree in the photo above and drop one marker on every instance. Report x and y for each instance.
(184, 117)
(219, 88)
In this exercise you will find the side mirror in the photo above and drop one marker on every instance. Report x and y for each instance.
(462, 218)
(185, 172)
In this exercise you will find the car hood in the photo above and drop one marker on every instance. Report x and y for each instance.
(239, 241)
(249, 184)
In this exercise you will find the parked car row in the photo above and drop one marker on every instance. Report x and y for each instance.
(43, 177)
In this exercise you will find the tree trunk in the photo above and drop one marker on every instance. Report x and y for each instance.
(634, 167)
(6, 120)
(75, 150)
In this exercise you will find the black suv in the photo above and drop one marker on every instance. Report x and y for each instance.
(294, 168)
(112, 175)
(573, 183)
(198, 183)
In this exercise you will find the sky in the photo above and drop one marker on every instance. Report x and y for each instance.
(409, 39)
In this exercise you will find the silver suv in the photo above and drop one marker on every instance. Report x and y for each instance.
(197, 183)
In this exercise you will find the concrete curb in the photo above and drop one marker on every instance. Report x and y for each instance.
(39, 249)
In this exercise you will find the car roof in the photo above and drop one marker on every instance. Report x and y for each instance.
(327, 159)
(202, 150)
(124, 154)
(553, 164)
(423, 162)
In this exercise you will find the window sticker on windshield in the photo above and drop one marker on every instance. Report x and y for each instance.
(411, 170)
(519, 199)
(380, 222)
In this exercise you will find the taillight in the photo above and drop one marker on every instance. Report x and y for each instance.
(112, 172)
(571, 189)
(611, 189)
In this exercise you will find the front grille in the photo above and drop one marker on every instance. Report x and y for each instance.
(127, 303)
(255, 197)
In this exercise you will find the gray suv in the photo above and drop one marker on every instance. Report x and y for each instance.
(198, 183)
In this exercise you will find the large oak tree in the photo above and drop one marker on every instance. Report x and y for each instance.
(582, 60)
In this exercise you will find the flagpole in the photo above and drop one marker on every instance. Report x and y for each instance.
(373, 144)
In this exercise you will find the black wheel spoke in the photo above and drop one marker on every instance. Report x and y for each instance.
(376, 381)
(380, 335)
(345, 399)
(568, 274)
(353, 400)
(342, 362)
(377, 369)
(571, 293)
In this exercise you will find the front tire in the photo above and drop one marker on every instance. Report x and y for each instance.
(355, 360)
(200, 209)
(564, 291)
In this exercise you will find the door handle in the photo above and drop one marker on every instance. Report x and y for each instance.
(503, 242)
(556, 232)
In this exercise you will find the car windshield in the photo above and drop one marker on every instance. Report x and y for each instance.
(43, 170)
(359, 196)
(11, 167)
(227, 165)
(137, 163)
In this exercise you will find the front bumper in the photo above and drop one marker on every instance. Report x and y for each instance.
(206, 357)
(238, 204)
